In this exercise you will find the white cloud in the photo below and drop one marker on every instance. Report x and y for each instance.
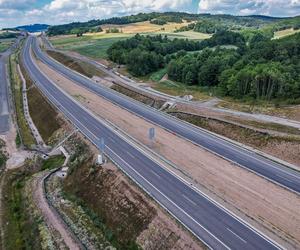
(16, 12)
(247, 7)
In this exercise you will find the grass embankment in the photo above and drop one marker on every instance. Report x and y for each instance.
(16, 85)
(3, 156)
(104, 198)
(5, 44)
(179, 89)
(77, 65)
(22, 226)
(283, 147)
(263, 107)
(53, 162)
(137, 96)
(44, 116)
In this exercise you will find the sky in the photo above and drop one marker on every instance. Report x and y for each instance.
(20, 12)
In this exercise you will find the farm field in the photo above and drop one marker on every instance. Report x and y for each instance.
(283, 33)
(94, 45)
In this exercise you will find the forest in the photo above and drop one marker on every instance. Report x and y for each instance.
(255, 67)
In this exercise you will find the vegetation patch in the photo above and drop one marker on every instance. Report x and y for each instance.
(179, 89)
(105, 199)
(5, 44)
(3, 155)
(44, 116)
(137, 96)
(91, 46)
(53, 162)
(77, 65)
(20, 226)
(274, 145)
(16, 85)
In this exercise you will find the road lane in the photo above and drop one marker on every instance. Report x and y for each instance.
(202, 217)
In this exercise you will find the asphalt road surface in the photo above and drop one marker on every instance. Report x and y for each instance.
(205, 219)
(252, 161)
(4, 106)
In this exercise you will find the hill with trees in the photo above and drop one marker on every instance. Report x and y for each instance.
(208, 23)
(34, 27)
(260, 68)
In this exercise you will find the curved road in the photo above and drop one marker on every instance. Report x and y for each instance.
(252, 161)
(204, 218)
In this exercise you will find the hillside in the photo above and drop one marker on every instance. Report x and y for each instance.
(33, 27)
(227, 21)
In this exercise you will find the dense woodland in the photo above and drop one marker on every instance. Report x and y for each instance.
(255, 67)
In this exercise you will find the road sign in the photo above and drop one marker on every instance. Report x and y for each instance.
(151, 133)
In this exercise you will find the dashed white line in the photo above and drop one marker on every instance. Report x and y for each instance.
(236, 235)
(157, 175)
(284, 178)
(131, 155)
(191, 201)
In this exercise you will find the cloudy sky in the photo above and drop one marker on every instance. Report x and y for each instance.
(19, 12)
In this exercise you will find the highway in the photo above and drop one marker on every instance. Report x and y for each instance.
(204, 218)
(250, 160)
(4, 103)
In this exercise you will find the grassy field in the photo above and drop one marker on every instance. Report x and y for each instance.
(5, 44)
(284, 33)
(95, 45)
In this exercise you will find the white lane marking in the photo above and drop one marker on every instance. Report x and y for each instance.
(191, 201)
(236, 235)
(157, 175)
(155, 188)
(131, 155)
(111, 139)
(284, 178)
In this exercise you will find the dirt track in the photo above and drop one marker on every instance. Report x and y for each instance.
(52, 220)
(268, 207)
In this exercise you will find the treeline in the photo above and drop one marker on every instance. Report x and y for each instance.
(8, 34)
(265, 70)
(141, 17)
(146, 54)
(256, 68)
(231, 22)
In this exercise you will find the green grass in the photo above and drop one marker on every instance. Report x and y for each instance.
(158, 75)
(91, 46)
(5, 44)
(20, 226)
(95, 46)
(53, 162)
(16, 83)
(179, 89)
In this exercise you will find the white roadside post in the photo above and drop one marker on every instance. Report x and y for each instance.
(100, 158)
(151, 135)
